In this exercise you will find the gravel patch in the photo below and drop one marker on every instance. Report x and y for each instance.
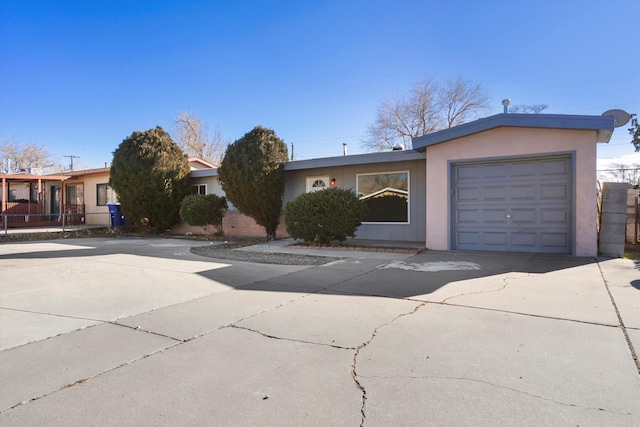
(232, 252)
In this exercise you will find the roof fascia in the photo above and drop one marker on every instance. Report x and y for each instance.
(603, 125)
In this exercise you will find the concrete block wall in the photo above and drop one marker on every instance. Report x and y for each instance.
(234, 224)
(613, 221)
(632, 215)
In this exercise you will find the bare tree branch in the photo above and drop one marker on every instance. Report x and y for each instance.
(18, 157)
(528, 109)
(429, 106)
(192, 136)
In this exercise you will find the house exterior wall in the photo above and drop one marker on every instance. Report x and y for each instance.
(503, 143)
(94, 214)
(345, 177)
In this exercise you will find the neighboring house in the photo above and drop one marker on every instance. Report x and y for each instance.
(87, 195)
(32, 200)
(78, 197)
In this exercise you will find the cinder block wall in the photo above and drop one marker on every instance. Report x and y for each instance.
(234, 224)
(613, 222)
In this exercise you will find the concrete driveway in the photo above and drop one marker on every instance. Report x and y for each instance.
(133, 331)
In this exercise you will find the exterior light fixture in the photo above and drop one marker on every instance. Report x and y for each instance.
(333, 182)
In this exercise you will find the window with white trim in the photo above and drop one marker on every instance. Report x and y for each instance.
(199, 189)
(317, 183)
(386, 195)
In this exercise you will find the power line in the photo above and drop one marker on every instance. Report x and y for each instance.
(72, 157)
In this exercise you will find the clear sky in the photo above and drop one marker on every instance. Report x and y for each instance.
(77, 77)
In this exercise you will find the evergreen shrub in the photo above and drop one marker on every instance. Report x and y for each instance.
(324, 216)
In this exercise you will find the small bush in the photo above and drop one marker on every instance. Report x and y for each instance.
(324, 216)
(204, 210)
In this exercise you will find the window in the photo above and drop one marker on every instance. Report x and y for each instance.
(317, 183)
(386, 196)
(75, 194)
(199, 189)
(105, 195)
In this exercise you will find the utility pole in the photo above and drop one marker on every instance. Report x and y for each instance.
(72, 157)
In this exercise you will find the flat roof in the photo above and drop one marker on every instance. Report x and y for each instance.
(603, 125)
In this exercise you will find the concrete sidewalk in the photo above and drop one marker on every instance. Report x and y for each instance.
(132, 331)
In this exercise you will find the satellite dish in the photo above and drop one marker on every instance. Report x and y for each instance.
(621, 117)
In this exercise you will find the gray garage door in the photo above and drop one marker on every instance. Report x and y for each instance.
(520, 206)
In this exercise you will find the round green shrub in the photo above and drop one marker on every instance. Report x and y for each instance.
(324, 216)
(203, 210)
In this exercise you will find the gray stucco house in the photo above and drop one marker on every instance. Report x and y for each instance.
(508, 182)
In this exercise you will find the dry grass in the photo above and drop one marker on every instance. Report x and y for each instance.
(632, 251)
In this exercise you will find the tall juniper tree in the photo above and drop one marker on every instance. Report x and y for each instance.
(149, 173)
(251, 175)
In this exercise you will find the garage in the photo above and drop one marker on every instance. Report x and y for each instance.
(517, 205)
(514, 182)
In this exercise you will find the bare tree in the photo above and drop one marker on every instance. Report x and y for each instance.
(528, 109)
(18, 157)
(624, 172)
(430, 106)
(192, 136)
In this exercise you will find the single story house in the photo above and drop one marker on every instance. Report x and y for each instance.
(508, 182)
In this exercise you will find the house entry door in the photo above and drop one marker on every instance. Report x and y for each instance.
(55, 202)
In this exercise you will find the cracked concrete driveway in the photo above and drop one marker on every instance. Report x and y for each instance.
(133, 331)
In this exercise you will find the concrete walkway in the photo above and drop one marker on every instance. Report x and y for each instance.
(134, 331)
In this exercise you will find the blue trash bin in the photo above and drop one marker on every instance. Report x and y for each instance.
(117, 219)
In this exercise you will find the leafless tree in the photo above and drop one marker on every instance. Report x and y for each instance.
(428, 107)
(528, 109)
(192, 136)
(624, 172)
(19, 157)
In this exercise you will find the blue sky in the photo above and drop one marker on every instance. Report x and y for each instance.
(77, 77)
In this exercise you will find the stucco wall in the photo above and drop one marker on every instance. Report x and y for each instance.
(345, 177)
(94, 214)
(513, 142)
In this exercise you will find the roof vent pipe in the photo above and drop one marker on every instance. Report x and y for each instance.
(344, 148)
(505, 103)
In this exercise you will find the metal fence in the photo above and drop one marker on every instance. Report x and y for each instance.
(43, 223)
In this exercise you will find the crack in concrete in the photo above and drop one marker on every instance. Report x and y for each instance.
(83, 380)
(505, 281)
(354, 374)
(515, 390)
(538, 316)
(622, 326)
(54, 314)
(233, 326)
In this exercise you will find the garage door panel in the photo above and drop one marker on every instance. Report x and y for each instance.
(468, 194)
(555, 167)
(554, 216)
(554, 191)
(495, 171)
(495, 193)
(524, 169)
(494, 216)
(520, 206)
(521, 240)
(524, 216)
(524, 191)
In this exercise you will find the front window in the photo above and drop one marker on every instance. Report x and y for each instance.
(199, 189)
(105, 195)
(386, 196)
